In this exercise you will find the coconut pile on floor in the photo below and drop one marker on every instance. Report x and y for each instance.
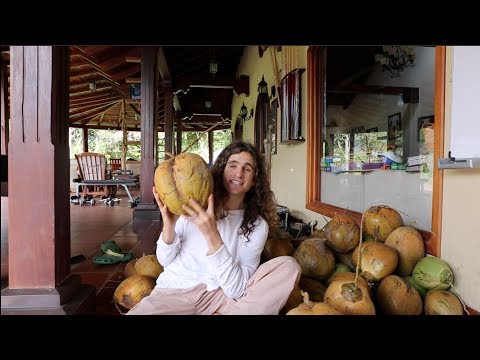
(141, 275)
(378, 268)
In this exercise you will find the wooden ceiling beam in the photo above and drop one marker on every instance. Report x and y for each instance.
(91, 95)
(133, 80)
(118, 59)
(133, 59)
(94, 103)
(88, 112)
(162, 65)
(127, 72)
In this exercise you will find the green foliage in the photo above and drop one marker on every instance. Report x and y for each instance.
(109, 142)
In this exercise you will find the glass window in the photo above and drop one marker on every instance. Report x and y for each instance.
(371, 128)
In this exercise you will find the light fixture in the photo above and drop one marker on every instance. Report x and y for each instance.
(213, 67)
(208, 104)
(263, 90)
(395, 59)
(92, 86)
(243, 115)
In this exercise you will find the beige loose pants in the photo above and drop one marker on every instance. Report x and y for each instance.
(266, 293)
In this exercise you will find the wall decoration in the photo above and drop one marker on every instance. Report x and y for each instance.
(394, 126)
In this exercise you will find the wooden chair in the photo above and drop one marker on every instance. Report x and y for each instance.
(93, 166)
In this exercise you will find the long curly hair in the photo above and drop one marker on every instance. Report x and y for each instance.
(259, 200)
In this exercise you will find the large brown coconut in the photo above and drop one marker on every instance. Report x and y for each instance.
(315, 259)
(409, 244)
(379, 221)
(275, 247)
(377, 260)
(279, 233)
(132, 290)
(395, 296)
(148, 266)
(442, 302)
(349, 299)
(295, 298)
(342, 232)
(314, 288)
(313, 308)
(350, 276)
(130, 268)
(183, 177)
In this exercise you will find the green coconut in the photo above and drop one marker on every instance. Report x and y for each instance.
(422, 291)
(433, 273)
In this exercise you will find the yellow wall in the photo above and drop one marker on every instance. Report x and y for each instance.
(461, 216)
(461, 192)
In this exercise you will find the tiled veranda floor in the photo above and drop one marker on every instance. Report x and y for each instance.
(90, 226)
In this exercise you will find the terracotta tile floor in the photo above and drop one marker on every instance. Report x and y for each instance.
(90, 227)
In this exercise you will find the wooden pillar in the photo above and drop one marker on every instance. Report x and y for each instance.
(167, 85)
(4, 109)
(85, 139)
(39, 278)
(210, 147)
(179, 133)
(5, 123)
(147, 209)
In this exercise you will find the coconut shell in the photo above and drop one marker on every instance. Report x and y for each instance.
(293, 300)
(315, 259)
(442, 302)
(132, 290)
(277, 247)
(349, 299)
(314, 288)
(342, 232)
(308, 307)
(149, 266)
(379, 222)
(410, 247)
(130, 268)
(350, 276)
(395, 296)
(183, 177)
(377, 260)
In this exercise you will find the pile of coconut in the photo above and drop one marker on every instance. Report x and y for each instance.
(140, 277)
(377, 267)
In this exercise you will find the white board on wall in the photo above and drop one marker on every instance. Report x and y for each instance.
(465, 131)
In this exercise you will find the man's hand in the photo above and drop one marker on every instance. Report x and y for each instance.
(169, 219)
(205, 221)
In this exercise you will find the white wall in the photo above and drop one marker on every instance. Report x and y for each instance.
(460, 238)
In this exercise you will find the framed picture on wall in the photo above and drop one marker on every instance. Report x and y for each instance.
(394, 125)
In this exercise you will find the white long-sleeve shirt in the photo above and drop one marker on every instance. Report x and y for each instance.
(187, 264)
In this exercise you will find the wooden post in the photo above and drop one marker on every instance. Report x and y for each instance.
(39, 209)
(5, 118)
(147, 209)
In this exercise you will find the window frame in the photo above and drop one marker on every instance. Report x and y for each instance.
(316, 83)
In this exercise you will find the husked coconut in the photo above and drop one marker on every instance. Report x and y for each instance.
(130, 268)
(181, 178)
(348, 298)
(342, 232)
(395, 296)
(149, 266)
(379, 221)
(132, 290)
(313, 308)
(315, 259)
(410, 247)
